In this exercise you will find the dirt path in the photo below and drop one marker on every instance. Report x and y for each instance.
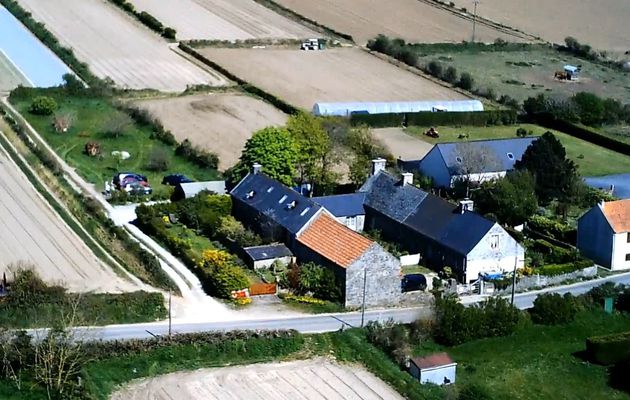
(317, 379)
(401, 144)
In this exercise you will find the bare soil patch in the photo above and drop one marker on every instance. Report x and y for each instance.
(219, 122)
(402, 145)
(601, 23)
(303, 78)
(116, 46)
(223, 19)
(33, 233)
(308, 380)
(411, 20)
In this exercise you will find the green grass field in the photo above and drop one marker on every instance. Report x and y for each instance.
(90, 116)
(529, 71)
(539, 363)
(593, 160)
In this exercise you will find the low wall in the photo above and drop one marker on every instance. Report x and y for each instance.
(529, 282)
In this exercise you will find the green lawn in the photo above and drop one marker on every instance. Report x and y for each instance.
(539, 362)
(593, 160)
(89, 117)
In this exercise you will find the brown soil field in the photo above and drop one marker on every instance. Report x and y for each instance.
(303, 78)
(220, 122)
(411, 20)
(222, 19)
(34, 234)
(601, 23)
(116, 46)
(402, 145)
(306, 380)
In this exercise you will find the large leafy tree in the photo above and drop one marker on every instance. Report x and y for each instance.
(275, 149)
(590, 107)
(315, 156)
(512, 199)
(555, 176)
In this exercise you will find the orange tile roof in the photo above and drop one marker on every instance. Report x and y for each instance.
(334, 241)
(618, 215)
(432, 361)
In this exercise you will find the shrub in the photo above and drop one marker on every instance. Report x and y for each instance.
(609, 349)
(390, 337)
(219, 276)
(466, 81)
(200, 157)
(450, 75)
(169, 33)
(474, 391)
(150, 21)
(231, 229)
(554, 309)
(159, 160)
(43, 105)
(434, 68)
(320, 281)
(117, 125)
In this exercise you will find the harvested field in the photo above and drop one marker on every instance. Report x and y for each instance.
(116, 46)
(601, 23)
(307, 380)
(402, 145)
(223, 19)
(10, 76)
(220, 122)
(412, 20)
(33, 233)
(341, 74)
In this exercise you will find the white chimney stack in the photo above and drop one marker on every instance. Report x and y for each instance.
(378, 164)
(407, 178)
(256, 168)
(466, 205)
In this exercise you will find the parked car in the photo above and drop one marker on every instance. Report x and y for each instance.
(138, 189)
(122, 179)
(175, 179)
(413, 282)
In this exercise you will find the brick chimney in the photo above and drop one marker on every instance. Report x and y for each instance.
(378, 164)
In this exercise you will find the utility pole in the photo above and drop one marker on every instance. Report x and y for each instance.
(364, 287)
(474, 19)
(170, 322)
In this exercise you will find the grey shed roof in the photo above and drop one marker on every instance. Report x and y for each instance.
(272, 198)
(508, 151)
(258, 253)
(343, 205)
(427, 214)
(191, 189)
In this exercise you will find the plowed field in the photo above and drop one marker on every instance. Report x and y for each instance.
(222, 19)
(303, 78)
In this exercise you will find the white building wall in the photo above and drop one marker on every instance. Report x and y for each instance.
(621, 248)
(437, 375)
(267, 263)
(479, 178)
(486, 258)
(355, 223)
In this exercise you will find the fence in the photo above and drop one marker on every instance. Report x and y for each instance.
(259, 289)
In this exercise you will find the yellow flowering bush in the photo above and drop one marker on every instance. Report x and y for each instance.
(243, 301)
(213, 257)
(304, 299)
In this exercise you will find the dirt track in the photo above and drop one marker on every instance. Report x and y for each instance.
(411, 20)
(401, 144)
(222, 19)
(340, 74)
(220, 122)
(602, 24)
(304, 380)
(116, 46)
(33, 233)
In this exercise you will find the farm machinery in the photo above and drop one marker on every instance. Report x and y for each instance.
(312, 44)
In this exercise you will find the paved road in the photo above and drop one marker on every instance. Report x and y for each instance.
(316, 323)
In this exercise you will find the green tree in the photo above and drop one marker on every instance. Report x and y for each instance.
(314, 156)
(590, 108)
(466, 81)
(554, 309)
(511, 199)
(275, 149)
(43, 105)
(365, 148)
(554, 174)
(450, 75)
(320, 281)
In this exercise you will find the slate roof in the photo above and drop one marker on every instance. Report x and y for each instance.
(501, 147)
(258, 253)
(427, 214)
(389, 196)
(618, 214)
(433, 361)
(273, 199)
(191, 189)
(334, 241)
(343, 205)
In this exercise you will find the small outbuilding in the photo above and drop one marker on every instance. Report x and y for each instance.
(264, 256)
(191, 189)
(438, 369)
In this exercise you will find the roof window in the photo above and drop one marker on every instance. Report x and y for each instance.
(458, 159)
(270, 189)
(510, 156)
(282, 199)
(291, 205)
(250, 194)
(303, 213)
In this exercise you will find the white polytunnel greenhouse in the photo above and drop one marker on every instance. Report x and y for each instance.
(345, 109)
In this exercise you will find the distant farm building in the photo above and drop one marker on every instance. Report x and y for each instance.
(191, 189)
(346, 109)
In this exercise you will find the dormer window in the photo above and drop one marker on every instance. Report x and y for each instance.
(250, 194)
(282, 199)
(510, 156)
(458, 159)
(303, 213)
(291, 205)
(270, 189)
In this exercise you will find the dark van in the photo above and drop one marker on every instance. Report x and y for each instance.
(413, 282)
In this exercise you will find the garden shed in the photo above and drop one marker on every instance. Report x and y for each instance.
(265, 256)
(437, 368)
(346, 109)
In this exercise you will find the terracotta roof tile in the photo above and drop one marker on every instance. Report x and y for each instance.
(618, 214)
(334, 241)
(432, 361)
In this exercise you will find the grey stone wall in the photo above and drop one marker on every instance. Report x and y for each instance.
(534, 281)
(382, 279)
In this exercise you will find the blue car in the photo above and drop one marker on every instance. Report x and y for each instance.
(175, 179)
(413, 282)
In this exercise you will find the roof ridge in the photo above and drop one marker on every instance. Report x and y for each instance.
(488, 140)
